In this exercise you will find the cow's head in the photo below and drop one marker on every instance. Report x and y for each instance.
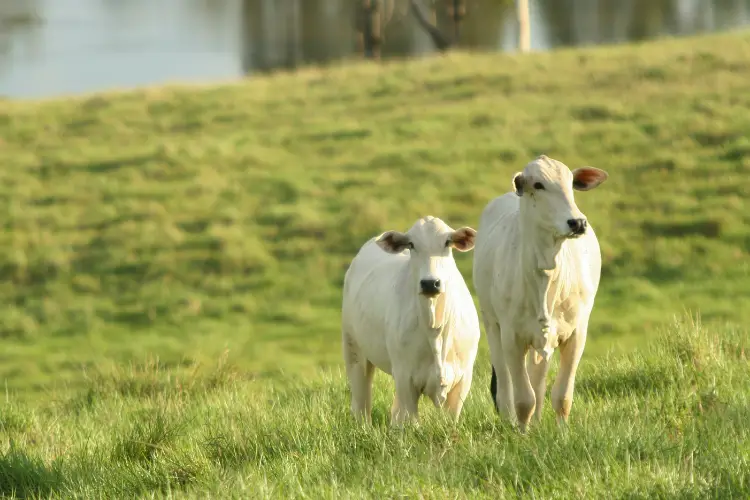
(546, 190)
(430, 242)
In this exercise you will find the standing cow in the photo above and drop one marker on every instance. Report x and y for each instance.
(407, 310)
(536, 272)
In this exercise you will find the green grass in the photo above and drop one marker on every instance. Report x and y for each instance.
(187, 221)
(668, 421)
(148, 234)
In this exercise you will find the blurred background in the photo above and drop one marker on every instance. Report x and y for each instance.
(54, 47)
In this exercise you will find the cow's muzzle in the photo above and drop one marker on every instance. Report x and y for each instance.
(430, 287)
(577, 226)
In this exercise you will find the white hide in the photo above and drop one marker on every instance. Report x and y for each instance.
(427, 344)
(536, 283)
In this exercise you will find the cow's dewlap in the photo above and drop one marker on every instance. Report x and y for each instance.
(437, 311)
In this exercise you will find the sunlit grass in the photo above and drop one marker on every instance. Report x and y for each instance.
(669, 421)
(182, 223)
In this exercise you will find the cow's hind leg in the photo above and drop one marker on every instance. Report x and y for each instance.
(537, 367)
(500, 387)
(360, 373)
(523, 393)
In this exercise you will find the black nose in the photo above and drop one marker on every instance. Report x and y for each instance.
(578, 226)
(430, 287)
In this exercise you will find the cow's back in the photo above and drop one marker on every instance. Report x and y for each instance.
(371, 299)
(494, 251)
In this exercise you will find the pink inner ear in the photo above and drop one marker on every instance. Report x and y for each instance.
(463, 239)
(588, 176)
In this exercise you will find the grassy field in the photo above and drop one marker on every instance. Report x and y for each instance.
(669, 421)
(186, 222)
(150, 235)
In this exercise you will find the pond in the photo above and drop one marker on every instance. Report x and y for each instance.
(57, 47)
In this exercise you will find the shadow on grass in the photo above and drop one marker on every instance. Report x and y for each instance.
(23, 476)
(151, 432)
(638, 381)
(52, 168)
(709, 228)
(156, 380)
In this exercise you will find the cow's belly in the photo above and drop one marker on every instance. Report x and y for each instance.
(370, 340)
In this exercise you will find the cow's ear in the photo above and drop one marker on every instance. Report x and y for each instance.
(394, 242)
(586, 178)
(518, 183)
(463, 239)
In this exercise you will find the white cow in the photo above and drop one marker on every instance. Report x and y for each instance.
(536, 272)
(407, 310)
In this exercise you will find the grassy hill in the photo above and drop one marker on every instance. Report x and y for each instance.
(171, 225)
(172, 259)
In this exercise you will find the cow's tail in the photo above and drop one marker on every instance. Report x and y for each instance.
(493, 389)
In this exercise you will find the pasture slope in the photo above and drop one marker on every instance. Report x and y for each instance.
(150, 233)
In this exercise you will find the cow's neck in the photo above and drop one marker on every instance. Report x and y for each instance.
(436, 313)
(539, 261)
(440, 338)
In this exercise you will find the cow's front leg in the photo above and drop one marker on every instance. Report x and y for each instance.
(443, 374)
(542, 340)
(456, 397)
(570, 356)
(537, 367)
(406, 404)
(523, 392)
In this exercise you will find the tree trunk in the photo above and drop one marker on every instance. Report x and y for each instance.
(456, 11)
(441, 42)
(524, 30)
(370, 28)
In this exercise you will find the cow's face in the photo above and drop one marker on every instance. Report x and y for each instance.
(430, 242)
(546, 187)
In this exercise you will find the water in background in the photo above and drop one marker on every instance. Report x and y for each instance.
(53, 47)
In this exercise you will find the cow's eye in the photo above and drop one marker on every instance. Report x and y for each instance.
(448, 242)
(538, 186)
(410, 245)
